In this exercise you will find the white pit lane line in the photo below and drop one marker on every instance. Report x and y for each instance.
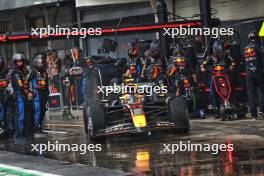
(55, 132)
(27, 171)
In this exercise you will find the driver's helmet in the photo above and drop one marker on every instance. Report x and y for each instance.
(218, 49)
(253, 37)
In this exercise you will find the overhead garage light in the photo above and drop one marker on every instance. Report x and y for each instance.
(37, 2)
(83, 3)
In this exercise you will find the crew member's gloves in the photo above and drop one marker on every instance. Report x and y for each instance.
(30, 96)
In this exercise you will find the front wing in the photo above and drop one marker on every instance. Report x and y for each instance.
(128, 128)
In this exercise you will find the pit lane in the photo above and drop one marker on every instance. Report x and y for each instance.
(143, 155)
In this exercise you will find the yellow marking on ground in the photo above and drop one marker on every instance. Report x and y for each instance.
(261, 32)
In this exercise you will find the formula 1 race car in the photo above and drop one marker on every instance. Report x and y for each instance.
(130, 113)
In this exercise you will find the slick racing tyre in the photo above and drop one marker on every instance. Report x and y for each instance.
(178, 114)
(96, 121)
(89, 91)
(93, 111)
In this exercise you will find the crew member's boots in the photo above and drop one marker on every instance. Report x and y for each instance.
(1, 126)
(3, 131)
(38, 132)
(19, 136)
(261, 115)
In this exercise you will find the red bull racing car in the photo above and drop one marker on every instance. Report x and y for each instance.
(131, 113)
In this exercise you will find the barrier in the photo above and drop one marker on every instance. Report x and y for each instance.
(64, 94)
(55, 101)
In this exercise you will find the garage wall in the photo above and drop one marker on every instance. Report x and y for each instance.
(225, 9)
(131, 13)
(109, 12)
(122, 40)
(12, 4)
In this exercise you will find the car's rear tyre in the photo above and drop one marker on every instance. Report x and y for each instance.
(178, 114)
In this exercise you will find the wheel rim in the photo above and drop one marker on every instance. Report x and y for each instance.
(90, 122)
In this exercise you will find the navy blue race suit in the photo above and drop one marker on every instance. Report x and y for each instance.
(176, 71)
(180, 78)
(85, 98)
(89, 78)
(39, 83)
(214, 62)
(20, 93)
(254, 61)
(3, 86)
(138, 62)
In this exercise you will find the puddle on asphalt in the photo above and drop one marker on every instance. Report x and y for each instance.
(145, 157)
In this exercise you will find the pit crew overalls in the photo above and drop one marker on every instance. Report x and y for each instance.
(254, 60)
(39, 83)
(17, 82)
(3, 86)
(180, 79)
(84, 94)
(214, 62)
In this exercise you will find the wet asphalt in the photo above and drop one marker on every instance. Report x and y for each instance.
(147, 155)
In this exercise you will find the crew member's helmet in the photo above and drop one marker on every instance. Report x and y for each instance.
(40, 62)
(253, 37)
(154, 45)
(18, 57)
(218, 49)
(88, 61)
(132, 49)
